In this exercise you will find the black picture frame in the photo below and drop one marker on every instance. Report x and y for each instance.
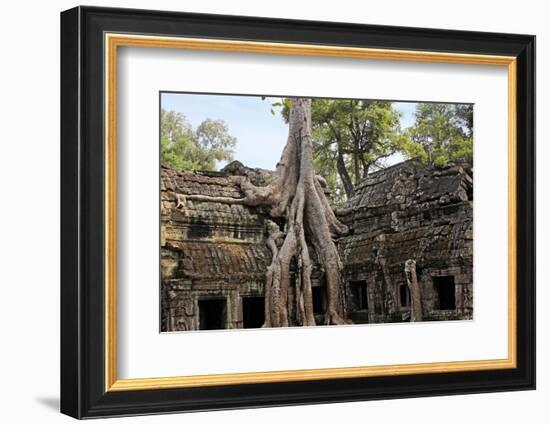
(83, 392)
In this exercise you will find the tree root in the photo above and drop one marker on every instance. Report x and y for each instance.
(297, 195)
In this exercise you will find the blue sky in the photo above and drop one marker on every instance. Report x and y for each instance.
(260, 135)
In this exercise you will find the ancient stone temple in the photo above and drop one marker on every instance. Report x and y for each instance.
(214, 256)
(409, 212)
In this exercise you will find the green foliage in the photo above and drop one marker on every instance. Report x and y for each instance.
(445, 131)
(325, 166)
(409, 148)
(186, 149)
(352, 137)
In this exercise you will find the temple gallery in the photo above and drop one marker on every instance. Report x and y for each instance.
(406, 255)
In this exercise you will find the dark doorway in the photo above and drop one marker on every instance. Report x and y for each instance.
(318, 298)
(445, 289)
(359, 295)
(253, 312)
(404, 295)
(212, 314)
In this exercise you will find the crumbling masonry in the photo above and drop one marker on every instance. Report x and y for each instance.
(407, 256)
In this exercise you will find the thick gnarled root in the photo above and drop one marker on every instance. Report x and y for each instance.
(295, 194)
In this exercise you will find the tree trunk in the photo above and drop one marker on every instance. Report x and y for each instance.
(366, 167)
(296, 195)
(344, 175)
(414, 289)
(356, 154)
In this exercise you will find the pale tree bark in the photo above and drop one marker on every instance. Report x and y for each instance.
(296, 195)
(414, 290)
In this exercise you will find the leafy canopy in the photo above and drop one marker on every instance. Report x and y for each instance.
(353, 137)
(186, 149)
(350, 139)
(445, 131)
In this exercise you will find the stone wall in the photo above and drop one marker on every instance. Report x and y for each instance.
(214, 256)
(209, 251)
(410, 211)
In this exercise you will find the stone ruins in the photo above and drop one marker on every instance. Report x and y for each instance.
(408, 255)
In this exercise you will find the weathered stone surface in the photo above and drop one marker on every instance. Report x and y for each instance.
(208, 250)
(214, 251)
(410, 211)
(258, 176)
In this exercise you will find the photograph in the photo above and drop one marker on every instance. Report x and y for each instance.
(281, 211)
(262, 211)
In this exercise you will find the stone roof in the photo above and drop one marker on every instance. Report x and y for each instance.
(409, 211)
(411, 183)
(205, 183)
(208, 239)
(217, 258)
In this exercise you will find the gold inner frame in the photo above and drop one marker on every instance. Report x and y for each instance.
(113, 41)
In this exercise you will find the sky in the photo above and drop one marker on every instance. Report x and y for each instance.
(261, 136)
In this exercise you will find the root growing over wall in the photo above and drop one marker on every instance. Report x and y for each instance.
(296, 195)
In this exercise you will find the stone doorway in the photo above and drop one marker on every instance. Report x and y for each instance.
(253, 312)
(445, 290)
(212, 313)
(359, 296)
(404, 295)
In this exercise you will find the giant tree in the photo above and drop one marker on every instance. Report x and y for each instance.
(351, 137)
(295, 195)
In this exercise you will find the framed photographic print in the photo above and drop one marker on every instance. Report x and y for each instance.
(261, 212)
